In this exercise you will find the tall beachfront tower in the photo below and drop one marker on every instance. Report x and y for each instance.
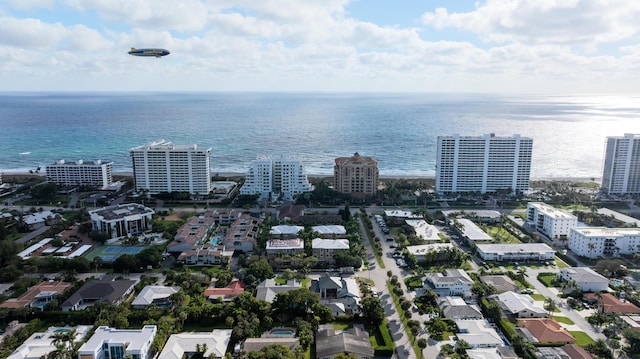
(279, 177)
(356, 175)
(162, 166)
(621, 174)
(98, 174)
(483, 163)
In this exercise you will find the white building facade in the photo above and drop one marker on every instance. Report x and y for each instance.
(81, 173)
(595, 242)
(121, 220)
(483, 163)
(550, 221)
(162, 166)
(279, 177)
(118, 343)
(585, 278)
(621, 172)
(515, 252)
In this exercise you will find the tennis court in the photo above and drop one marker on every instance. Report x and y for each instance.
(111, 253)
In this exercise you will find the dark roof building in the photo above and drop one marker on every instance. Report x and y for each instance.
(354, 340)
(106, 289)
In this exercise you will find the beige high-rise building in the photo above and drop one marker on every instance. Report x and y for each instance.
(356, 175)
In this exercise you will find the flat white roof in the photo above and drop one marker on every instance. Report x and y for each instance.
(151, 292)
(472, 231)
(608, 232)
(551, 211)
(422, 249)
(285, 244)
(136, 338)
(34, 247)
(283, 229)
(503, 248)
(330, 229)
(40, 344)
(401, 214)
(80, 251)
(424, 230)
(321, 243)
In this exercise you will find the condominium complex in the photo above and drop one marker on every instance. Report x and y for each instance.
(621, 174)
(280, 177)
(356, 175)
(81, 173)
(162, 166)
(552, 222)
(121, 220)
(595, 242)
(483, 163)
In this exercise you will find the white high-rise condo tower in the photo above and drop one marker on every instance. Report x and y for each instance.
(162, 166)
(483, 163)
(621, 174)
(279, 177)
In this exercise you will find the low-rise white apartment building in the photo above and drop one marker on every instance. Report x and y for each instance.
(452, 282)
(118, 343)
(81, 173)
(595, 242)
(552, 222)
(326, 249)
(585, 278)
(515, 252)
(121, 220)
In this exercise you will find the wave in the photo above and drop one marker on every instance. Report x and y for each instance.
(24, 153)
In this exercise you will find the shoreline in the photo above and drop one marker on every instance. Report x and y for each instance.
(323, 176)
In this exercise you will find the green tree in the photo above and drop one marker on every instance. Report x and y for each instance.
(345, 356)
(600, 349)
(260, 269)
(372, 311)
(272, 351)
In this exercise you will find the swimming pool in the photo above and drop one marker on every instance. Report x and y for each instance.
(617, 282)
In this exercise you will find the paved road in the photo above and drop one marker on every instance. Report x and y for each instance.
(577, 317)
(379, 277)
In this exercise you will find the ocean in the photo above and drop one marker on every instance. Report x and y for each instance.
(400, 130)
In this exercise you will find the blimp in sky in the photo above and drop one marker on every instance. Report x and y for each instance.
(149, 52)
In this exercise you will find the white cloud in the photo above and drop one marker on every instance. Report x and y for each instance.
(545, 21)
(30, 33)
(30, 4)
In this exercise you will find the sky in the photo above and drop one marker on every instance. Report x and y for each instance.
(491, 46)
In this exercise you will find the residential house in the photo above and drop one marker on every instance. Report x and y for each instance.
(185, 345)
(40, 344)
(520, 305)
(456, 308)
(611, 304)
(38, 295)
(326, 249)
(340, 294)
(106, 289)
(423, 252)
(569, 351)
(108, 342)
(544, 330)
(586, 279)
(268, 289)
(478, 333)
(493, 353)
(226, 294)
(158, 295)
(501, 283)
(452, 282)
(424, 230)
(279, 335)
(355, 340)
(37, 220)
(290, 212)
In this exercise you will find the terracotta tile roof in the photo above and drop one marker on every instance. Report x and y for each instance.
(30, 295)
(611, 304)
(576, 352)
(547, 330)
(234, 288)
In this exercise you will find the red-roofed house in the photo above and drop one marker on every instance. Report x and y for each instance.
(38, 295)
(547, 330)
(234, 289)
(611, 304)
(576, 352)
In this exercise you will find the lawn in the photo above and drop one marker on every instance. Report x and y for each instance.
(582, 339)
(564, 320)
(537, 296)
(561, 264)
(546, 279)
(501, 235)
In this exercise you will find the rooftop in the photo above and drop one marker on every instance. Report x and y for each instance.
(121, 211)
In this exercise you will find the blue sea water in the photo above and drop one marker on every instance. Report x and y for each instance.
(400, 130)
